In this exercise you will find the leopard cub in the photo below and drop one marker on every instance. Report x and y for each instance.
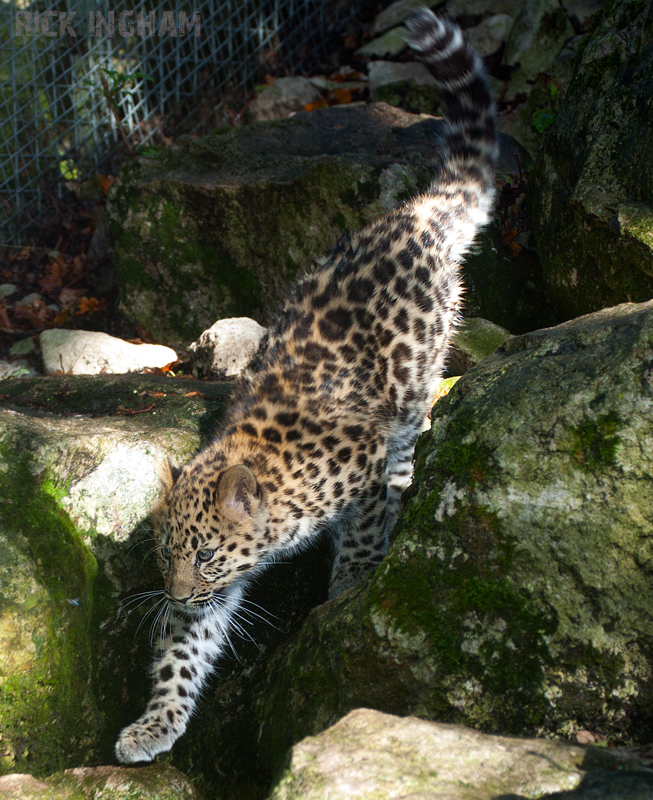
(322, 434)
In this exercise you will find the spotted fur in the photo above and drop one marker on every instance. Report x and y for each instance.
(323, 433)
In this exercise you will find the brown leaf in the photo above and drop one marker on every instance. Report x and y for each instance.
(36, 313)
(61, 318)
(69, 297)
(5, 322)
(515, 249)
(26, 252)
(317, 104)
(342, 95)
(54, 274)
(585, 737)
(89, 305)
(124, 410)
(105, 183)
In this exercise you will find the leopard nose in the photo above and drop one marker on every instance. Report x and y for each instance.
(172, 595)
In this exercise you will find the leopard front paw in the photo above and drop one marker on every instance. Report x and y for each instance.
(141, 741)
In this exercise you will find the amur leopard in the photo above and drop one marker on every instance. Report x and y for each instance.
(322, 435)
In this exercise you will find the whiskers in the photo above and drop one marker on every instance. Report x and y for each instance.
(151, 538)
(235, 618)
(159, 614)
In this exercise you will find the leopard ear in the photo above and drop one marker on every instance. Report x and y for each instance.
(168, 474)
(238, 491)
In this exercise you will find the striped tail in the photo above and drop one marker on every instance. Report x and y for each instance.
(464, 187)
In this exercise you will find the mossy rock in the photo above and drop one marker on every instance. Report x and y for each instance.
(156, 782)
(517, 597)
(78, 475)
(591, 186)
(474, 340)
(387, 756)
(78, 582)
(222, 226)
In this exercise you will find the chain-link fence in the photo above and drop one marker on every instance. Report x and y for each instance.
(166, 71)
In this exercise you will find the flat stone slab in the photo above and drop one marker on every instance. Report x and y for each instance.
(369, 754)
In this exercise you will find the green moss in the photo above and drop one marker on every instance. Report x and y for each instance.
(452, 586)
(47, 713)
(104, 395)
(594, 442)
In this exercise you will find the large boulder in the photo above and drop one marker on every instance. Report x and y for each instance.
(518, 594)
(222, 226)
(368, 755)
(591, 187)
(80, 587)
(78, 475)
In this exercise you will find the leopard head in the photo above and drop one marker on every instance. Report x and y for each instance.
(212, 529)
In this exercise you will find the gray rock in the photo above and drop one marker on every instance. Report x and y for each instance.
(284, 97)
(484, 8)
(22, 347)
(475, 340)
(16, 368)
(487, 36)
(582, 10)
(226, 348)
(6, 290)
(369, 754)
(221, 227)
(517, 596)
(78, 476)
(390, 44)
(536, 38)
(593, 219)
(99, 246)
(92, 353)
(396, 13)
(409, 85)
(156, 782)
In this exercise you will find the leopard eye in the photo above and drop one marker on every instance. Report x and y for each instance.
(204, 555)
(167, 553)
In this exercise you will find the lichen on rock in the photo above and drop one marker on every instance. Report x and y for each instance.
(517, 594)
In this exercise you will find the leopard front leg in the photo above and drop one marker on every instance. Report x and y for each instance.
(360, 546)
(179, 675)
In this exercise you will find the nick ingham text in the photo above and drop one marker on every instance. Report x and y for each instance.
(144, 24)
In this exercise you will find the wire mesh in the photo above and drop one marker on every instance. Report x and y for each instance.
(55, 124)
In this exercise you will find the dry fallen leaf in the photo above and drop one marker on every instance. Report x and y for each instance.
(69, 297)
(89, 305)
(515, 249)
(54, 274)
(5, 322)
(105, 182)
(36, 313)
(321, 103)
(585, 737)
(342, 95)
